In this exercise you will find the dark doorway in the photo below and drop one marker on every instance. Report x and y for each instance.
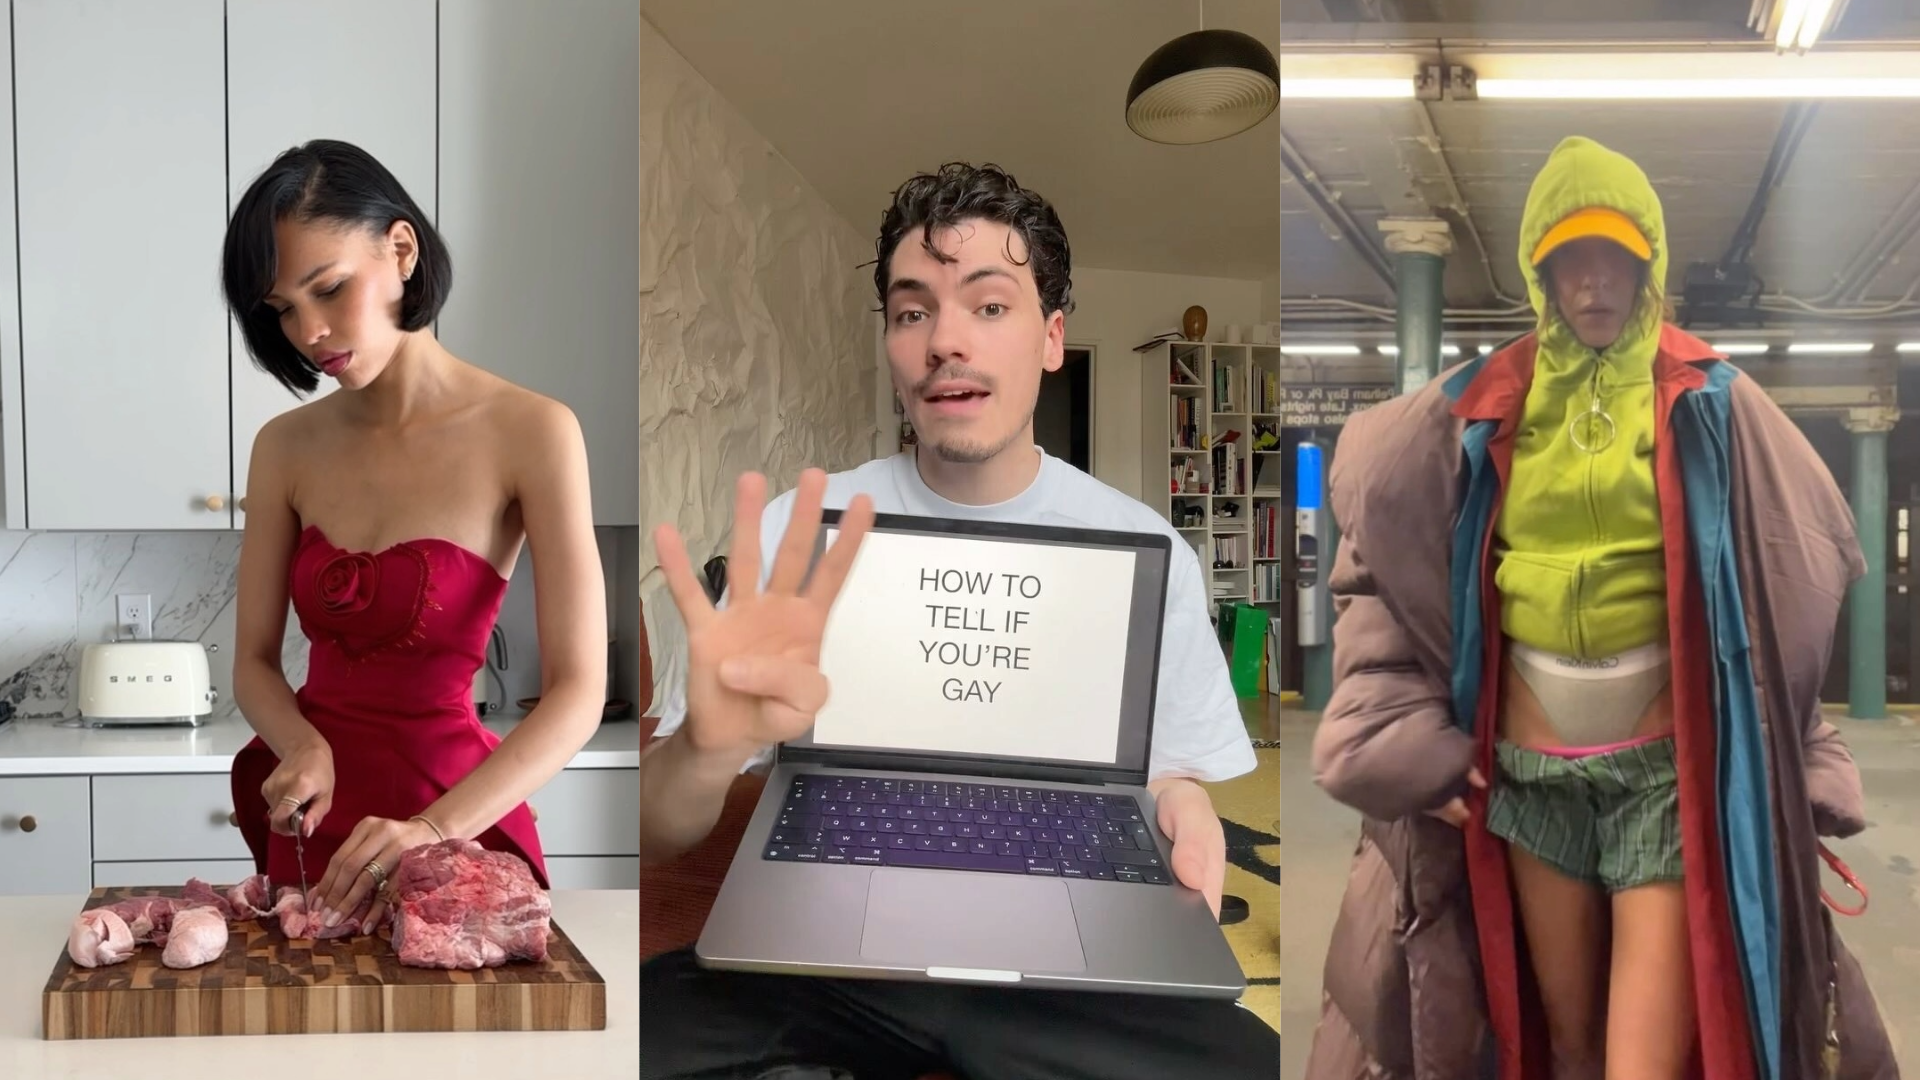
(1063, 417)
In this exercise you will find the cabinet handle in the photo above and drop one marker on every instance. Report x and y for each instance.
(27, 824)
(216, 502)
(242, 504)
(233, 818)
(533, 811)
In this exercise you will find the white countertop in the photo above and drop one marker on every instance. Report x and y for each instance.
(604, 924)
(54, 748)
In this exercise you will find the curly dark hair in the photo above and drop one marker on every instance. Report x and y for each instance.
(959, 192)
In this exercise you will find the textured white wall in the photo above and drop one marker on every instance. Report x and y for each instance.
(1118, 309)
(756, 324)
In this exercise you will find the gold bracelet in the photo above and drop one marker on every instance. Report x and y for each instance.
(422, 819)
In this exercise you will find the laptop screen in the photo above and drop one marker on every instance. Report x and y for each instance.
(976, 640)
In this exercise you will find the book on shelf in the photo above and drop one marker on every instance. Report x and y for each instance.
(1230, 552)
(1229, 465)
(1266, 531)
(1181, 373)
(1266, 392)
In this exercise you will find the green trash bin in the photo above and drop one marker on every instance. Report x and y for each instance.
(1243, 633)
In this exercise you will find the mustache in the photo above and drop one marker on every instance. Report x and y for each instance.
(952, 373)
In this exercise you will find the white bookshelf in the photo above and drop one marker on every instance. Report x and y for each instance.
(1211, 463)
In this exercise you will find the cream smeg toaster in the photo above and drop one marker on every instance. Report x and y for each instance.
(145, 682)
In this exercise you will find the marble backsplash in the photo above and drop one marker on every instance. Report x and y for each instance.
(57, 594)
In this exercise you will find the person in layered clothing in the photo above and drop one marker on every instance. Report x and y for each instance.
(1586, 596)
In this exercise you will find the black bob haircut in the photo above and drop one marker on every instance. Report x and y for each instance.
(959, 192)
(331, 181)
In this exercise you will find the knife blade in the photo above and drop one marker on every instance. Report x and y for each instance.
(298, 821)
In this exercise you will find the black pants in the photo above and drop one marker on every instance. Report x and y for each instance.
(697, 1024)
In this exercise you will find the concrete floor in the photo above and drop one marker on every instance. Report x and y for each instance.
(1318, 835)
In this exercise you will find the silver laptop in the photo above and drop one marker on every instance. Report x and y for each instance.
(970, 806)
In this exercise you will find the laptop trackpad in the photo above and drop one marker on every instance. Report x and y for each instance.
(985, 921)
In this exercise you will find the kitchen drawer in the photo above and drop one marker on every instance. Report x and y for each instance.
(590, 872)
(217, 872)
(43, 836)
(165, 818)
(589, 812)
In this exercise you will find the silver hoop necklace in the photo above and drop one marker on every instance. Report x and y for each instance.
(1593, 430)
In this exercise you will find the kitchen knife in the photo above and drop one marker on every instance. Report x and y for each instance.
(298, 821)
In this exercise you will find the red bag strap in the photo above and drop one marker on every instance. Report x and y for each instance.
(1846, 875)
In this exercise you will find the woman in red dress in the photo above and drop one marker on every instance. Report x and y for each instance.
(390, 514)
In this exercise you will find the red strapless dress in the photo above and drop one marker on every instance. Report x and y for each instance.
(395, 638)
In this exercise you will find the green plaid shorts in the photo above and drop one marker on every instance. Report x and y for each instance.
(1612, 819)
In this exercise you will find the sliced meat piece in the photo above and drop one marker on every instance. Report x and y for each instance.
(459, 905)
(200, 894)
(252, 898)
(148, 917)
(198, 936)
(99, 937)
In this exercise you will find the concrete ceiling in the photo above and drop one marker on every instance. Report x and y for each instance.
(861, 94)
(1856, 165)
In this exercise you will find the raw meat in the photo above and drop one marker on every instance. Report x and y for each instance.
(200, 894)
(148, 916)
(99, 937)
(458, 905)
(250, 899)
(198, 936)
(297, 923)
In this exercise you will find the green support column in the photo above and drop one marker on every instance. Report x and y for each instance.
(1419, 247)
(1316, 679)
(1867, 599)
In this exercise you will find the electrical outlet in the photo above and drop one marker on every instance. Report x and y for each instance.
(135, 616)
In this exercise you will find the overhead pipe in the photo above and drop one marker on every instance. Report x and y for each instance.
(1460, 209)
(1786, 145)
(1330, 205)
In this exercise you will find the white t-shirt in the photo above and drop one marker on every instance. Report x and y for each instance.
(1197, 729)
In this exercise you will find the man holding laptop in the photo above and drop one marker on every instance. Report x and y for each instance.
(974, 276)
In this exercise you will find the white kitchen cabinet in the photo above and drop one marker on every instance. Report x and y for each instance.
(165, 816)
(43, 835)
(589, 812)
(539, 199)
(216, 872)
(68, 834)
(120, 144)
(375, 90)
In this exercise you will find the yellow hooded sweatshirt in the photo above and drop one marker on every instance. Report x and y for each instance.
(1581, 571)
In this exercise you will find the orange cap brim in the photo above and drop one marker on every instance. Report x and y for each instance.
(1595, 222)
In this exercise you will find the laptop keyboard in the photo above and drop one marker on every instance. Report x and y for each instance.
(942, 825)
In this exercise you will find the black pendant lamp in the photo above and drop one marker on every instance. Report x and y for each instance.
(1202, 87)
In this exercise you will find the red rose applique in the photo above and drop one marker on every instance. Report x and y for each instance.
(348, 582)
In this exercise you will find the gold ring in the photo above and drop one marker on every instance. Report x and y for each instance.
(374, 868)
(286, 800)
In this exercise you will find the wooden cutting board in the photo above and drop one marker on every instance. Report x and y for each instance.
(268, 985)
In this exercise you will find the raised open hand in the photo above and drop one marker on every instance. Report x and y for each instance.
(753, 666)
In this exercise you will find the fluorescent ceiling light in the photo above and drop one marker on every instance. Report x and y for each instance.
(1848, 348)
(1320, 350)
(1730, 74)
(1742, 348)
(1910, 346)
(1394, 350)
(1486, 350)
(1801, 22)
(1348, 77)
(1345, 89)
(1697, 89)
